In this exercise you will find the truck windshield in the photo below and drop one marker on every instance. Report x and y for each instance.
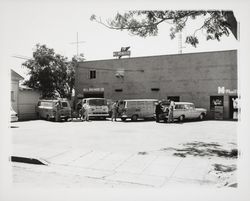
(97, 102)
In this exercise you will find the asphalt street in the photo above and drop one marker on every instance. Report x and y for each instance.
(143, 154)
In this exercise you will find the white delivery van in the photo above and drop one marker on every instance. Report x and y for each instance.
(54, 109)
(98, 107)
(136, 108)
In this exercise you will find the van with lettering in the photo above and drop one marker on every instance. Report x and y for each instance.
(135, 109)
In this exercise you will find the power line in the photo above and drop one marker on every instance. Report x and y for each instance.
(22, 57)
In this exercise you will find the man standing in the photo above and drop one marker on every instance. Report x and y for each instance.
(158, 111)
(58, 111)
(86, 109)
(114, 111)
(81, 113)
(171, 112)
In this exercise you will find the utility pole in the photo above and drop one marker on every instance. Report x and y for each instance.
(77, 44)
(180, 47)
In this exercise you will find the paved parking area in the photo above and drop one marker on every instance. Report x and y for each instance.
(104, 154)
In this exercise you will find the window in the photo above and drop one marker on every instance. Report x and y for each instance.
(189, 106)
(12, 96)
(46, 104)
(180, 107)
(216, 101)
(92, 74)
(64, 104)
(155, 89)
(97, 102)
(118, 90)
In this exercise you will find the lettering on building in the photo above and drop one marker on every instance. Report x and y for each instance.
(92, 89)
(223, 90)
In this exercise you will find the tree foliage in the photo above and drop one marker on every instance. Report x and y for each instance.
(50, 73)
(146, 23)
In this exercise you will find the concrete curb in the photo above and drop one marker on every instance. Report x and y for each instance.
(28, 160)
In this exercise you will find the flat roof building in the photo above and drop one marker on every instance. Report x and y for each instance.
(208, 79)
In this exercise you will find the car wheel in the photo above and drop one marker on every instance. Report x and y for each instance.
(123, 119)
(134, 117)
(181, 118)
(201, 117)
(47, 118)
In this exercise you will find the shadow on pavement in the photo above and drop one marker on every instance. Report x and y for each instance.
(14, 126)
(202, 149)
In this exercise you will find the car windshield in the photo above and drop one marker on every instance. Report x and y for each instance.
(46, 104)
(97, 102)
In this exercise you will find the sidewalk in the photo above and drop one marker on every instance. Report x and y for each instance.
(110, 169)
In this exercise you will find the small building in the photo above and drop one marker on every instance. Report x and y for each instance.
(28, 99)
(23, 98)
(15, 78)
(208, 79)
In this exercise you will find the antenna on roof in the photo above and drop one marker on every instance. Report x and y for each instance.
(180, 47)
(77, 44)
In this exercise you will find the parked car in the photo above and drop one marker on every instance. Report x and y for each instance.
(186, 110)
(13, 115)
(136, 108)
(54, 109)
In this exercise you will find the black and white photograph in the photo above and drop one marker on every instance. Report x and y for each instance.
(136, 100)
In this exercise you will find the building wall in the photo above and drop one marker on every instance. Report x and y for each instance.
(194, 77)
(14, 94)
(28, 100)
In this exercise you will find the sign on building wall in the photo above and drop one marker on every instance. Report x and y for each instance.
(92, 89)
(223, 90)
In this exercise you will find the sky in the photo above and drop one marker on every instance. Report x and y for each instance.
(26, 23)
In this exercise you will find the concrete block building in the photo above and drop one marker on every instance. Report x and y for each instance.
(208, 79)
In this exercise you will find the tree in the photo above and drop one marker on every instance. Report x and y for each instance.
(145, 23)
(50, 73)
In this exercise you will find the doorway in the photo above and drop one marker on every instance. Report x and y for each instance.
(217, 107)
(233, 107)
(93, 94)
(174, 98)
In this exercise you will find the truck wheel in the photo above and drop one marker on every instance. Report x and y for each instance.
(123, 119)
(181, 118)
(201, 117)
(134, 117)
(39, 116)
